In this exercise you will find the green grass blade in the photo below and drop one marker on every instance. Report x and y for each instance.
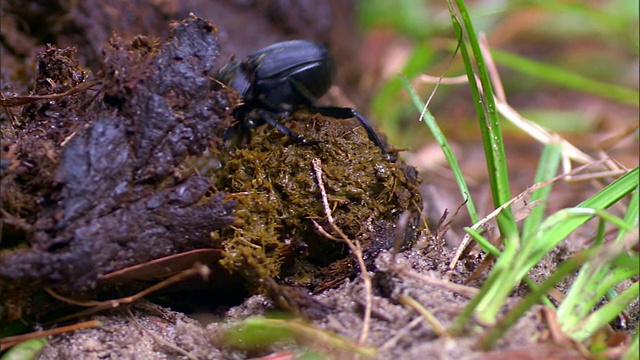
(597, 277)
(441, 139)
(485, 244)
(28, 350)
(485, 105)
(613, 192)
(634, 348)
(484, 101)
(564, 77)
(631, 216)
(514, 265)
(257, 332)
(547, 169)
(558, 226)
(496, 332)
(607, 313)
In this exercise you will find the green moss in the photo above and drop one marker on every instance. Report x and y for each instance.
(273, 181)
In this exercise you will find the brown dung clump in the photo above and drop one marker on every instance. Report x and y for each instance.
(276, 189)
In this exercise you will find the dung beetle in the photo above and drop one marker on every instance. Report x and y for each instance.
(280, 78)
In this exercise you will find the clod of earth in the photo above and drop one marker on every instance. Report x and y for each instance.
(97, 181)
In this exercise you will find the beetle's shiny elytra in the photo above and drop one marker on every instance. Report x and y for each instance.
(282, 77)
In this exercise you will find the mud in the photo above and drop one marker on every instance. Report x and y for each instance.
(106, 188)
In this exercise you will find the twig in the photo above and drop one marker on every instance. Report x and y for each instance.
(426, 315)
(23, 100)
(462, 290)
(355, 248)
(97, 306)
(12, 117)
(435, 88)
(15, 340)
(324, 232)
(161, 340)
(399, 334)
(456, 80)
(16, 221)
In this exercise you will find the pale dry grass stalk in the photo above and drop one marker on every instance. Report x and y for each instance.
(355, 248)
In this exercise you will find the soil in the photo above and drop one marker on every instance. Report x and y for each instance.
(126, 181)
(150, 331)
(393, 329)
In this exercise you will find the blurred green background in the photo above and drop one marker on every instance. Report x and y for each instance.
(571, 66)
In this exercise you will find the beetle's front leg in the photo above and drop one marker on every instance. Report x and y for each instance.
(348, 113)
(271, 119)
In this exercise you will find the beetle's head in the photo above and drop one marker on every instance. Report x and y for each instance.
(234, 76)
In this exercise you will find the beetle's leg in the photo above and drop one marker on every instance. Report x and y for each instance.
(348, 113)
(270, 118)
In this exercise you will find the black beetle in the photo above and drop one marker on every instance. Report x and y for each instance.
(283, 77)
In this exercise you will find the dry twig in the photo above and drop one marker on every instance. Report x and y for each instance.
(11, 341)
(355, 248)
(97, 306)
(161, 340)
(23, 100)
